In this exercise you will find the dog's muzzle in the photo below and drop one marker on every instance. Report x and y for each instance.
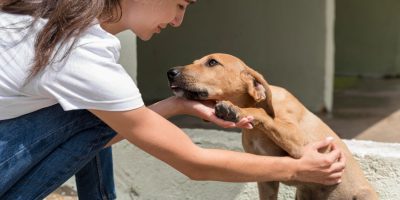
(179, 86)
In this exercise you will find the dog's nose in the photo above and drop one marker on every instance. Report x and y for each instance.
(173, 73)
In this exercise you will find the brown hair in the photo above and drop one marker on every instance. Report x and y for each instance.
(67, 19)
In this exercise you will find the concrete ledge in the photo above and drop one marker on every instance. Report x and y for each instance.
(379, 161)
(140, 176)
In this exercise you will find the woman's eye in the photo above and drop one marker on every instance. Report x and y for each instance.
(181, 7)
(212, 62)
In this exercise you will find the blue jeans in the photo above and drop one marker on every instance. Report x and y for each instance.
(41, 150)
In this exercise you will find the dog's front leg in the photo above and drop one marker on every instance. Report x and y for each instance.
(268, 190)
(284, 133)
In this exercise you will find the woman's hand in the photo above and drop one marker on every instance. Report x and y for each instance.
(205, 110)
(323, 168)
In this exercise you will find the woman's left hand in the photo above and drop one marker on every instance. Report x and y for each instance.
(205, 110)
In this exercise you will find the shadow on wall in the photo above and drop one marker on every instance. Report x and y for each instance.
(366, 108)
(286, 41)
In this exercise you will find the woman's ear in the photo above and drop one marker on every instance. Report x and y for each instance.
(258, 89)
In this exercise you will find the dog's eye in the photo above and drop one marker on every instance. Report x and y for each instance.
(212, 63)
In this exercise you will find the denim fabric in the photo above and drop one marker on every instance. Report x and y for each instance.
(96, 179)
(41, 150)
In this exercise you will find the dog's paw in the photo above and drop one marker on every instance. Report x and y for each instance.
(227, 111)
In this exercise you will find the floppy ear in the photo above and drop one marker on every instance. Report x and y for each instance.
(258, 88)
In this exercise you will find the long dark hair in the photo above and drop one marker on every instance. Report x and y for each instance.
(67, 19)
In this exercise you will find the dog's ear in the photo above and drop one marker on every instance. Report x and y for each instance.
(258, 89)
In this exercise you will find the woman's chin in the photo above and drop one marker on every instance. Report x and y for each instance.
(145, 37)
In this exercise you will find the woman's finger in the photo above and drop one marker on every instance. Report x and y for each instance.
(333, 156)
(220, 122)
(323, 143)
(336, 176)
(332, 181)
(245, 122)
(336, 167)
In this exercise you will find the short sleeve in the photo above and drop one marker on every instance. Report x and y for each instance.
(91, 78)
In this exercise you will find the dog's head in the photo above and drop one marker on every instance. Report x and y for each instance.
(221, 77)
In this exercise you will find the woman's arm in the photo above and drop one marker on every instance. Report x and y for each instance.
(160, 138)
(173, 106)
(202, 109)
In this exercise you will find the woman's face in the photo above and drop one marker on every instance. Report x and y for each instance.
(147, 17)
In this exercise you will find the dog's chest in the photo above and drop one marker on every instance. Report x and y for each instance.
(257, 142)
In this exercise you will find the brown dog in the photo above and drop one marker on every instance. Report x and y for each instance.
(282, 124)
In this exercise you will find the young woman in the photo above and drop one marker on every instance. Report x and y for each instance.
(64, 99)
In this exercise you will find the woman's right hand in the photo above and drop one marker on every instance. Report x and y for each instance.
(323, 168)
(205, 110)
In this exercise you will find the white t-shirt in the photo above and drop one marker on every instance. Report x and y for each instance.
(89, 78)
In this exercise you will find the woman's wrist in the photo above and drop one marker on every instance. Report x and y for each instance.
(290, 167)
(169, 107)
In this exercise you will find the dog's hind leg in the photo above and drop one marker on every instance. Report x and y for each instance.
(268, 190)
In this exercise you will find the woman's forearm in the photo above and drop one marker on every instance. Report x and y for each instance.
(222, 165)
(167, 108)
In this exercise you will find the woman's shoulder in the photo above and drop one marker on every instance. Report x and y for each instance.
(98, 41)
(96, 34)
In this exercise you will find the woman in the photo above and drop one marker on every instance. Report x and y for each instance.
(64, 98)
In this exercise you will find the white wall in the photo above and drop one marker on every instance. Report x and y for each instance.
(128, 57)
